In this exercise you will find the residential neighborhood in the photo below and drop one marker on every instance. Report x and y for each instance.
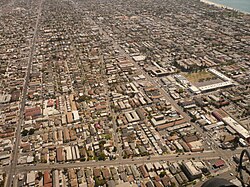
(122, 93)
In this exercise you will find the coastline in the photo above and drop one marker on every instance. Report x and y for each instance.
(223, 6)
(217, 5)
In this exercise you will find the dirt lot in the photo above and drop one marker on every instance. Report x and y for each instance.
(199, 77)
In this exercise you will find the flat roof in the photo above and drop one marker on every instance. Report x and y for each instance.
(215, 86)
(132, 116)
(237, 127)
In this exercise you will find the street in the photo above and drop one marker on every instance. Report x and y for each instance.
(12, 168)
(206, 155)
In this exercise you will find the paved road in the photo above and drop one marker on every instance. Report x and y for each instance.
(12, 169)
(151, 79)
(163, 91)
(138, 160)
(113, 115)
(225, 154)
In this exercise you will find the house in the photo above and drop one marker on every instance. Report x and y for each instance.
(143, 171)
(33, 112)
(219, 163)
(166, 181)
(106, 174)
(31, 177)
(47, 178)
(59, 154)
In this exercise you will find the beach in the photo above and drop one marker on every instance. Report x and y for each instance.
(232, 5)
(217, 5)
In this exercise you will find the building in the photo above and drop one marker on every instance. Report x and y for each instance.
(55, 177)
(191, 171)
(69, 117)
(59, 154)
(76, 116)
(33, 112)
(244, 133)
(31, 177)
(132, 116)
(194, 89)
(158, 120)
(66, 136)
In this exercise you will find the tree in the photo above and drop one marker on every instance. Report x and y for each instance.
(84, 98)
(108, 136)
(101, 144)
(110, 118)
(102, 156)
(173, 184)
(181, 90)
(115, 149)
(99, 182)
(31, 131)
(236, 141)
(24, 132)
(82, 159)
(162, 174)
(39, 175)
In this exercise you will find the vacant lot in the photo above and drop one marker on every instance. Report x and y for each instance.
(199, 77)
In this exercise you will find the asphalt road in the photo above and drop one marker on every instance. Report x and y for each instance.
(136, 160)
(224, 154)
(12, 169)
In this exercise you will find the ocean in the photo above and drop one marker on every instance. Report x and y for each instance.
(241, 5)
